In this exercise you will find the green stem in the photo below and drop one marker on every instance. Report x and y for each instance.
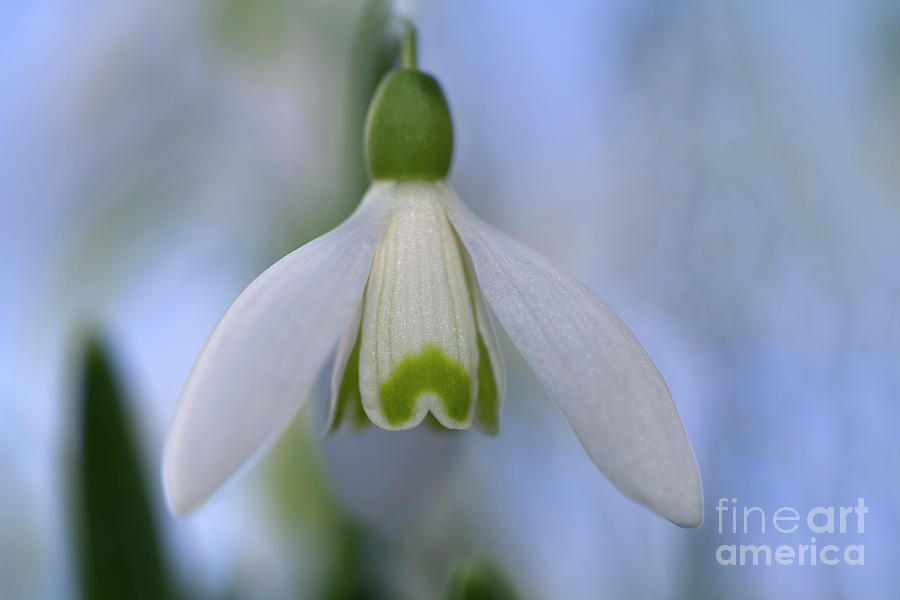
(409, 60)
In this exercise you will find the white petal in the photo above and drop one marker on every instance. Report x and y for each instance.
(263, 356)
(419, 346)
(593, 367)
(489, 415)
(341, 358)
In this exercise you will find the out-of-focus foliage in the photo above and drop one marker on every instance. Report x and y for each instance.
(115, 533)
(477, 578)
(354, 575)
(375, 50)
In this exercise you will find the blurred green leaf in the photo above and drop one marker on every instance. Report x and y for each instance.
(376, 50)
(477, 578)
(306, 511)
(116, 534)
(257, 28)
(354, 573)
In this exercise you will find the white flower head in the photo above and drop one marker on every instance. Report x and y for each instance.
(410, 288)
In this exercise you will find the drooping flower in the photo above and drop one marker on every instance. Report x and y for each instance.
(410, 288)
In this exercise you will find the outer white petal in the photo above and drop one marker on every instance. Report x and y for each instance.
(593, 367)
(263, 356)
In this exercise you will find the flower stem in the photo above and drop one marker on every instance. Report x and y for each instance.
(409, 60)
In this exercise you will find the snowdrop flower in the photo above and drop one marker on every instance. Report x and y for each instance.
(410, 289)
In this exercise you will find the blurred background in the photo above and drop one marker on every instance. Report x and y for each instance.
(726, 176)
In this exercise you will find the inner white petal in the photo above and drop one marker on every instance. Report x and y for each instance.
(341, 358)
(419, 337)
(489, 405)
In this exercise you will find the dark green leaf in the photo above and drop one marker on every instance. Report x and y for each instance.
(116, 535)
(476, 578)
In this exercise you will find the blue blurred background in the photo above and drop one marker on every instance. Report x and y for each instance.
(726, 175)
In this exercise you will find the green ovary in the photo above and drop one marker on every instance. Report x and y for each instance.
(430, 371)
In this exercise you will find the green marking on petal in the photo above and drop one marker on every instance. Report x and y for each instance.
(349, 401)
(431, 371)
(487, 408)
